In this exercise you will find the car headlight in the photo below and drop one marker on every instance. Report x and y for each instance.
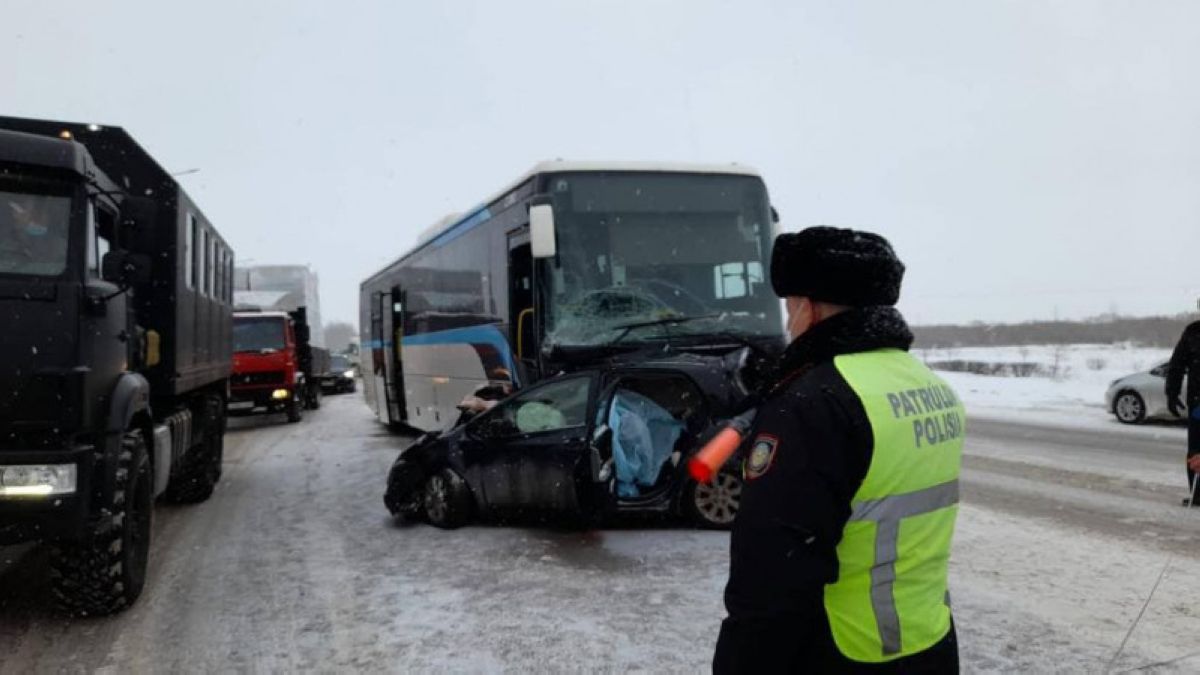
(37, 480)
(349, 374)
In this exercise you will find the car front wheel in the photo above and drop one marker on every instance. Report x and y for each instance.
(1129, 407)
(447, 500)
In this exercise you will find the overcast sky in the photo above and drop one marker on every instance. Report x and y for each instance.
(1027, 159)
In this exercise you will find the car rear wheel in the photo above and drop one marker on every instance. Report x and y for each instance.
(447, 500)
(1129, 407)
(714, 505)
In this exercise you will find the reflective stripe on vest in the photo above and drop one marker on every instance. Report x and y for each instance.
(890, 599)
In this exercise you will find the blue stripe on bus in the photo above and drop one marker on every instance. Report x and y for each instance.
(462, 227)
(488, 334)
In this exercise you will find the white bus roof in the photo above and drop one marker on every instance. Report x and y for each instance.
(446, 223)
(558, 165)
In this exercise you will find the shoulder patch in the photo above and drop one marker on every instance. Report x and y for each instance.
(762, 454)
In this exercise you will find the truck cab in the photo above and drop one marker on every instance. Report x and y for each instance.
(267, 374)
(69, 343)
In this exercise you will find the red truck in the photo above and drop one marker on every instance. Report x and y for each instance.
(275, 369)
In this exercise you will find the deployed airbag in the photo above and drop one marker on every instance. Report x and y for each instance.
(644, 435)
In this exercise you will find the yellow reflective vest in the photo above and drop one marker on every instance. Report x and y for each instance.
(891, 598)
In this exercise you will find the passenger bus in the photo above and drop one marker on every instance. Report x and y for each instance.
(571, 263)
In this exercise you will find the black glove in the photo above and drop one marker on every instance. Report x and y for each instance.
(1174, 405)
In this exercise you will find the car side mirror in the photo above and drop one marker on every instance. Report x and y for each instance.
(124, 268)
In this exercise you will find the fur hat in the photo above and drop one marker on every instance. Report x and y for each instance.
(838, 266)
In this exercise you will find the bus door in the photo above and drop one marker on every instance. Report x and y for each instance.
(522, 320)
(395, 383)
(381, 348)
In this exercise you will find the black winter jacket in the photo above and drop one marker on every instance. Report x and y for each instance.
(791, 517)
(1186, 361)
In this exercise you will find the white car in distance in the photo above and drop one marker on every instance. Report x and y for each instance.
(1141, 396)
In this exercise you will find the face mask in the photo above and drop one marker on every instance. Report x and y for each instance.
(795, 327)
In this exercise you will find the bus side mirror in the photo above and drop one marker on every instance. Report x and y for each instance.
(541, 231)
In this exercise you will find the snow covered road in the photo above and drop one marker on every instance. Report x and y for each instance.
(294, 565)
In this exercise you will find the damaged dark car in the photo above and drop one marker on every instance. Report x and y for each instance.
(596, 442)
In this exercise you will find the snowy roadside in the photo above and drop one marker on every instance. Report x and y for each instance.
(1033, 596)
(1067, 391)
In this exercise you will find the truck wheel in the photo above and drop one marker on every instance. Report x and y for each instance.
(447, 500)
(315, 402)
(107, 573)
(201, 468)
(295, 409)
(714, 505)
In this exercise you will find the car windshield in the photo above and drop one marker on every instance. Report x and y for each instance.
(33, 232)
(642, 247)
(258, 334)
(339, 363)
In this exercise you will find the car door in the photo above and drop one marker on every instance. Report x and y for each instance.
(530, 448)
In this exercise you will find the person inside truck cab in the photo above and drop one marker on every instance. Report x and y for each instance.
(33, 234)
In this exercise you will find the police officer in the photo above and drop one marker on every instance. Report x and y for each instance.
(1185, 361)
(840, 548)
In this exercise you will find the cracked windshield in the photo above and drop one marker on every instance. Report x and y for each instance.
(643, 256)
(604, 336)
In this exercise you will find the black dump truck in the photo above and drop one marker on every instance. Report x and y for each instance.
(116, 298)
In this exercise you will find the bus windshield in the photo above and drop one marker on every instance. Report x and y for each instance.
(640, 248)
(33, 232)
(262, 334)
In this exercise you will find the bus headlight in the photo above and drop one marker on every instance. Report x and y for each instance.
(279, 394)
(37, 480)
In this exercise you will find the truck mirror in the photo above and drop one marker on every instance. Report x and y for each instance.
(124, 268)
(137, 222)
(541, 231)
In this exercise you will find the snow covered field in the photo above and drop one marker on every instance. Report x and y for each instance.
(1067, 389)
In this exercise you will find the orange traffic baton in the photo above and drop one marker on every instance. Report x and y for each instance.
(704, 465)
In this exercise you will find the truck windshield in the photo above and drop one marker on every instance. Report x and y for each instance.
(640, 247)
(258, 334)
(35, 219)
